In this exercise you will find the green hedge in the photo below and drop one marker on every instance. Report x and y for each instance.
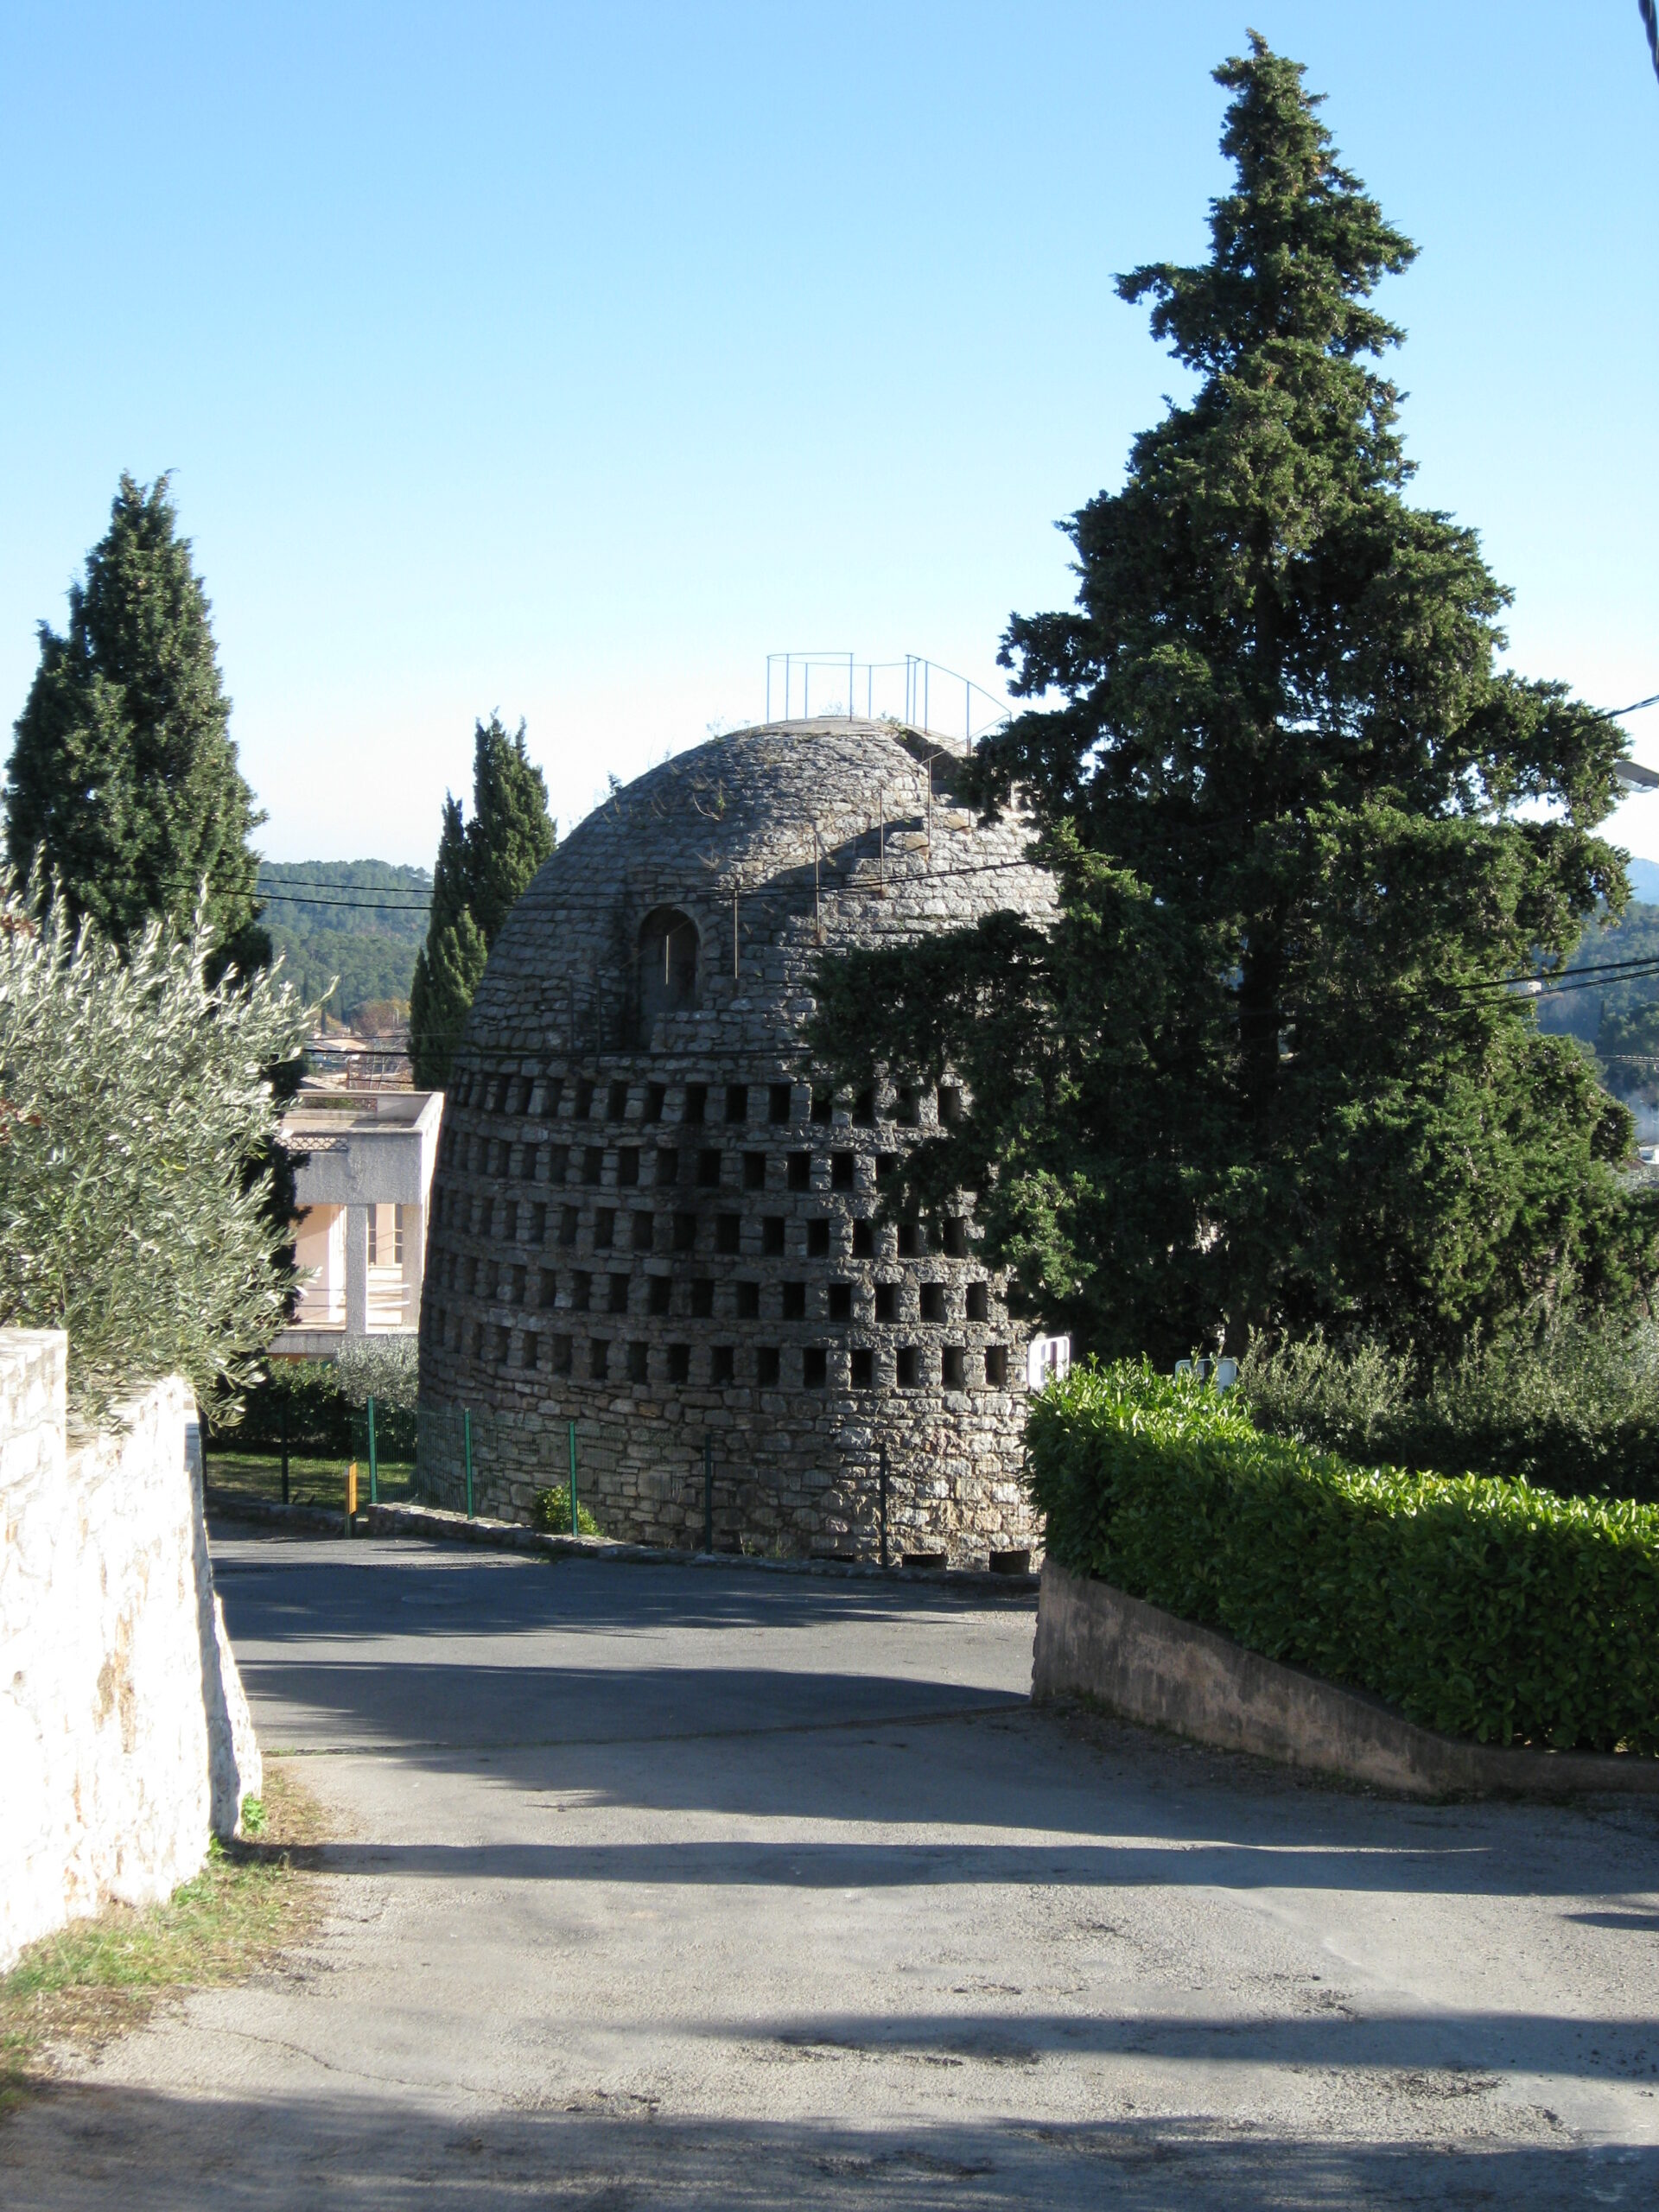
(1478, 1607)
(319, 1421)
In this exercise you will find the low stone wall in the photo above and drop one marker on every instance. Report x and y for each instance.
(1147, 1665)
(124, 1735)
(804, 1485)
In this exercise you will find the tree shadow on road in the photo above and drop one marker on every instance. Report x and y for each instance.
(92, 2147)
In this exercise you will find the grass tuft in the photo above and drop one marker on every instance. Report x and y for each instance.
(72, 1992)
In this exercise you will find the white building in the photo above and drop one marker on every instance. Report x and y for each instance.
(366, 1171)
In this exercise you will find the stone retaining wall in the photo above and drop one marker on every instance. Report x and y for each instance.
(124, 1735)
(1146, 1665)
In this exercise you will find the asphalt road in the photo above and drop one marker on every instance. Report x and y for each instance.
(696, 1887)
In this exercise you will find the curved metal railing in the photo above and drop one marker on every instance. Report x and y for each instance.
(922, 694)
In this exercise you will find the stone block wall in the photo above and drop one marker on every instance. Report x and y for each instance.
(124, 1735)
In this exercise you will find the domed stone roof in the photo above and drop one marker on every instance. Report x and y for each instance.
(823, 833)
(654, 1240)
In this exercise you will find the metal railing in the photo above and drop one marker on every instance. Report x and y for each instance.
(391, 1301)
(922, 694)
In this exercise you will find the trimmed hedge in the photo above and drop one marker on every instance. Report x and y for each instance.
(1476, 1606)
(319, 1420)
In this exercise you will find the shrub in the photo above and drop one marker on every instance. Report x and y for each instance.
(550, 1512)
(1573, 1408)
(317, 1411)
(1477, 1606)
(386, 1369)
(137, 1117)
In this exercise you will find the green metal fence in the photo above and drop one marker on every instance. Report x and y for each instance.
(291, 1465)
(617, 1471)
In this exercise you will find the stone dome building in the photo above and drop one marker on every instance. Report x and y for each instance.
(646, 1221)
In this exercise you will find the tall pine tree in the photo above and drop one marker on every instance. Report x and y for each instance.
(124, 777)
(483, 866)
(1265, 1075)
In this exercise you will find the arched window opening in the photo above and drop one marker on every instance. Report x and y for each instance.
(669, 945)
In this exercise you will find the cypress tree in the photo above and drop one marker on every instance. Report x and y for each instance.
(123, 778)
(511, 833)
(1265, 1074)
(482, 869)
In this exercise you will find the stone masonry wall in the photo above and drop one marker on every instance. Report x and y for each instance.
(124, 1736)
(647, 1220)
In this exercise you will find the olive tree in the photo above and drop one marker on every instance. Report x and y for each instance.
(137, 1118)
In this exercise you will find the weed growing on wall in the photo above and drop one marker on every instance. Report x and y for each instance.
(550, 1512)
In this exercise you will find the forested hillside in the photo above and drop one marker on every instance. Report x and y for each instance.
(1619, 1017)
(360, 921)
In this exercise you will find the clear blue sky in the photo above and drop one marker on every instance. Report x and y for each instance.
(567, 359)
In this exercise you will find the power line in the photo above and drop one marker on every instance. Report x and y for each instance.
(1594, 973)
(339, 883)
(415, 905)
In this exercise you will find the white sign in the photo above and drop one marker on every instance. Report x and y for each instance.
(1047, 1360)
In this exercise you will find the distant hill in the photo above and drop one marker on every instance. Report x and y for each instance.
(1618, 1018)
(1644, 881)
(359, 921)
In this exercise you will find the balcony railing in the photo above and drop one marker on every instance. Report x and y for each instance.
(392, 1303)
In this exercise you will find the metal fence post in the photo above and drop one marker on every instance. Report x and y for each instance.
(467, 1446)
(708, 1493)
(374, 1467)
(883, 1496)
(573, 1529)
(284, 1449)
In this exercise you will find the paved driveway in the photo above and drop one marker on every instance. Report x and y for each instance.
(704, 1888)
